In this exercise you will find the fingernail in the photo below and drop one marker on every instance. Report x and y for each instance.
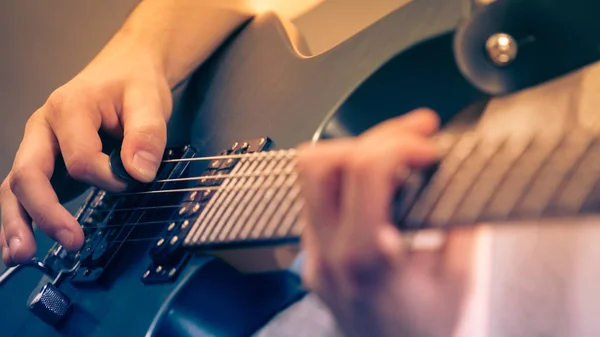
(65, 237)
(146, 163)
(14, 243)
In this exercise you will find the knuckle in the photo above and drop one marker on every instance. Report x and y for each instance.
(361, 269)
(320, 274)
(5, 186)
(78, 166)
(361, 165)
(18, 176)
(57, 99)
(43, 221)
(310, 164)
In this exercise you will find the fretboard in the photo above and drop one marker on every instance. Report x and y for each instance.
(479, 180)
(258, 203)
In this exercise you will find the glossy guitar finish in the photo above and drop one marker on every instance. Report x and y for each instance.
(256, 86)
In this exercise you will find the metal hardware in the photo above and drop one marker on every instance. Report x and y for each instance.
(49, 304)
(34, 263)
(501, 49)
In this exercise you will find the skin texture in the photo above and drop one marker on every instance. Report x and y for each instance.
(357, 261)
(126, 92)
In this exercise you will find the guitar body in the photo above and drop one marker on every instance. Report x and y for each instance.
(259, 86)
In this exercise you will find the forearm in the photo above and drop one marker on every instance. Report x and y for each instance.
(176, 35)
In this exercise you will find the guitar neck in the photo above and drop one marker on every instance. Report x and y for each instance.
(479, 180)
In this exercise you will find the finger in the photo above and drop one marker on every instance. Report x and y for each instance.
(319, 169)
(423, 122)
(81, 147)
(5, 252)
(30, 183)
(370, 181)
(16, 225)
(145, 134)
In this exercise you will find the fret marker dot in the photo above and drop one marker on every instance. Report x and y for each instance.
(171, 226)
(159, 269)
(174, 239)
(185, 224)
(160, 242)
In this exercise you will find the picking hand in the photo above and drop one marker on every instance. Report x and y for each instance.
(356, 258)
(125, 93)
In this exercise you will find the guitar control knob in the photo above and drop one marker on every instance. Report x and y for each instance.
(50, 304)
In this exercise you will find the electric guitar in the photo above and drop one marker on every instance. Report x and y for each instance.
(196, 252)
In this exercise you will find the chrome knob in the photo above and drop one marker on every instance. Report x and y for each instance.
(501, 49)
(50, 304)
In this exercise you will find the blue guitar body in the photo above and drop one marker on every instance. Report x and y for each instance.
(258, 85)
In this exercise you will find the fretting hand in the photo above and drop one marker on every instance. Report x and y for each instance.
(356, 259)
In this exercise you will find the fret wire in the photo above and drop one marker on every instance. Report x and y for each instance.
(428, 199)
(203, 223)
(287, 204)
(462, 181)
(228, 209)
(537, 198)
(198, 224)
(288, 222)
(247, 205)
(491, 179)
(241, 201)
(226, 204)
(259, 211)
(520, 175)
(583, 180)
(270, 163)
(260, 198)
(274, 203)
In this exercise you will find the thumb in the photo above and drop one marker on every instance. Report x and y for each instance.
(145, 135)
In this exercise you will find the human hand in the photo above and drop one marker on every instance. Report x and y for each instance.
(356, 259)
(123, 92)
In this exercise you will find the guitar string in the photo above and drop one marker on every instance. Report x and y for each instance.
(193, 202)
(282, 153)
(224, 176)
(204, 188)
(190, 189)
(183, 237)
(273, 154)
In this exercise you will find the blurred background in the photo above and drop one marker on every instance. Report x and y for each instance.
(45, 43)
